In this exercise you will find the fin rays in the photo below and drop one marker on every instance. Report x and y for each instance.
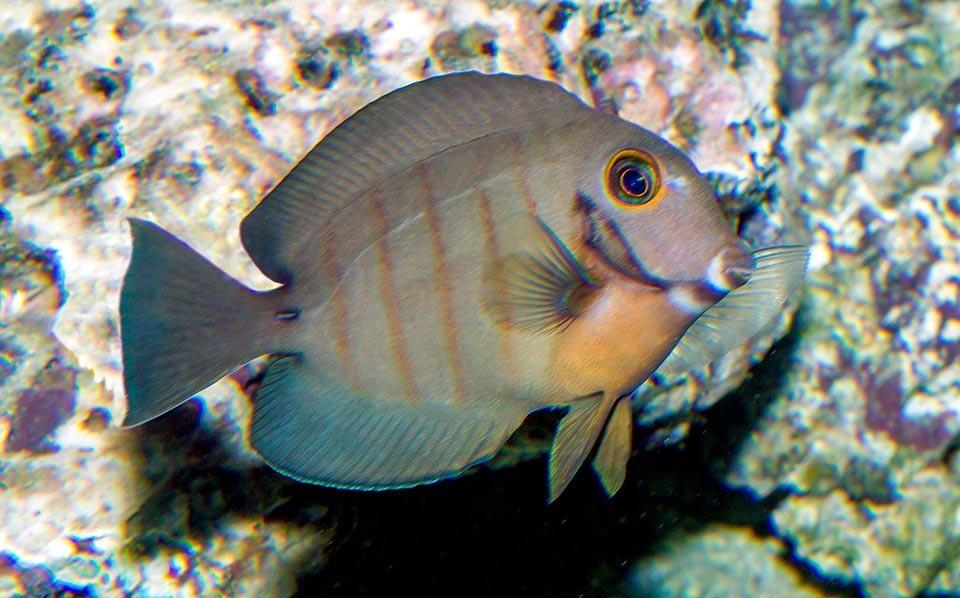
(184, 324)
(777, 277)
(535, 287)
(575, 438)
(614, 451)
(319, 432)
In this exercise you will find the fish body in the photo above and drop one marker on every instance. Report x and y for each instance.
(458, 254)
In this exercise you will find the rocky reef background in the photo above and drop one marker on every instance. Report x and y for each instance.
(831, 468)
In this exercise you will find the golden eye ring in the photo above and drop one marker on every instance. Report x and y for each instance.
(633, 178)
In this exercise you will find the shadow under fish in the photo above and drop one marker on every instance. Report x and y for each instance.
(456, 255)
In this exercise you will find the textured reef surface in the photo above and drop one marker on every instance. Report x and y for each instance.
(834, 470)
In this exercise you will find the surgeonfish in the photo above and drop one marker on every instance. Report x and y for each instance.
(457, 254)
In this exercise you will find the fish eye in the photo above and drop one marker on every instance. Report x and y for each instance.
(633, 178)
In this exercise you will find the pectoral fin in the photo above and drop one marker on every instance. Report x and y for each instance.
(777, 276)
(537, 285)
(610, 462)
(576, 435)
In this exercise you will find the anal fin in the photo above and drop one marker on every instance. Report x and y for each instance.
(319, 431)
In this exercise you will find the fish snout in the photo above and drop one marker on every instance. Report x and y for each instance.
(730, 269)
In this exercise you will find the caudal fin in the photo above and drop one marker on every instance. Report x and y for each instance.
(184, 324)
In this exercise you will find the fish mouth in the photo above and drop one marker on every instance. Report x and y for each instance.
(730, 269)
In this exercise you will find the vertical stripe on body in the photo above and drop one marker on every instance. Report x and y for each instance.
(341, 334)
(444, 289)
(391, 303)
(491, 253)
(522, 173)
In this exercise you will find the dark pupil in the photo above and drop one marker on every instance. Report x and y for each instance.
(635, 181)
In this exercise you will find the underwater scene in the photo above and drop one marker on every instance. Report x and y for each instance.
(603, 299)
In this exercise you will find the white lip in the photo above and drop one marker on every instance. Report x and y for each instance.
(715, 277)
(686, 301)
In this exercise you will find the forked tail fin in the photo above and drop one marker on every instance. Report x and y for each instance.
(184, 324)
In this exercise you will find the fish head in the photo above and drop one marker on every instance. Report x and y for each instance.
(653, 216)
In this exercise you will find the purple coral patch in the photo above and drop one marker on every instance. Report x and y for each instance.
(950, 312)
(39, 582)
(885, 399)
(41, 409)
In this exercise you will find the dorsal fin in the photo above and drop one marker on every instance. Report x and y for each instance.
(388, 136)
